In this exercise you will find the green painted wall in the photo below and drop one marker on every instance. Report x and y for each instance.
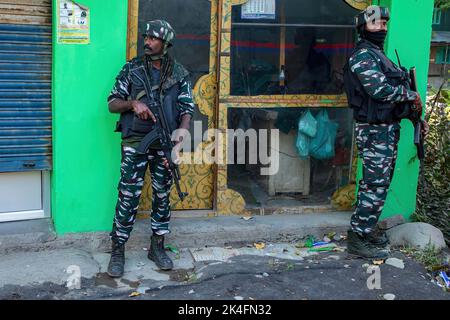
(85, 150)
(409, 33)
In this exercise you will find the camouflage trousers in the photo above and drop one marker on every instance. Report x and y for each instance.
(133, 168)
(377, 147)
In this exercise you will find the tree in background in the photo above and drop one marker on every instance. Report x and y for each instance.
(433, 194)
(443, 4)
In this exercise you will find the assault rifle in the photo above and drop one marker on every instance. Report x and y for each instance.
(416, 119)
(162, 132)
(415, 115)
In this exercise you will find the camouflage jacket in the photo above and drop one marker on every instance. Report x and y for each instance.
(367, 66)
(176, 94)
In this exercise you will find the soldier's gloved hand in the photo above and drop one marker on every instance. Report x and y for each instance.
(142, 111)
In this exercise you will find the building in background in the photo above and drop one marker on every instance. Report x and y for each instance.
(440, 49)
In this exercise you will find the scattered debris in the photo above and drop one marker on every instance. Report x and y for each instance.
(134, 294)
(238, 298)
(321, 249)
(346, 266)
(259, 245)
(265, 274)
(326, 239)
(378, 262)
(191, 291)
(172, 248)
(145, 249)
(228, 247)
(142, 290)
(366, 265)
(444, 281)
(258, 276)
(322, 246)
(389, 296)
(247, 218)
(331, 234)
(441, 275)
(398, 263)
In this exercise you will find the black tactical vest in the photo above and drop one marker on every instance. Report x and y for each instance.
(129, 124)
(366, 109)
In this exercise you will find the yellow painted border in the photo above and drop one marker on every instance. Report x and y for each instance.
(132, 35)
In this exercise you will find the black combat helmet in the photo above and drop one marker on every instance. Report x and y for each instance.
(371, 14)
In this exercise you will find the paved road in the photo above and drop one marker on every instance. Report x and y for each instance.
(280, 271)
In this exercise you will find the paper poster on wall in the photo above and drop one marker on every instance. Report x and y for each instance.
(258, 9)
(73, 23)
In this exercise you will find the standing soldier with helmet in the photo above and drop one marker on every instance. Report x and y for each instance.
(378, 92)
(171, 92)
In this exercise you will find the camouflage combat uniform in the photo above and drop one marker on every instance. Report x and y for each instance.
(376, 141)
(134, 165)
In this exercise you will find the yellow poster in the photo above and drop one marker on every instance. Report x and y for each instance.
(73, 23)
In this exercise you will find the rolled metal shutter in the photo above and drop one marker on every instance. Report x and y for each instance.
(25, 85)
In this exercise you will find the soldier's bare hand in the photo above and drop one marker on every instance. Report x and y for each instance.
(142, 111)
(166, 163)
(425, 128)
(418, 104)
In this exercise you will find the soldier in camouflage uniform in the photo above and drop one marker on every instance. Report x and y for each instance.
(378, 93)
(171, 89)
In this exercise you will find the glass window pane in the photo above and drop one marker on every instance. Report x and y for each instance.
(192, 42)
(192, 28)
(298, 175)
(302, 50)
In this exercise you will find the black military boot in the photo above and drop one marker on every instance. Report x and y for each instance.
(378, 238)
(117, 262)
(157, 253)
(360, 246)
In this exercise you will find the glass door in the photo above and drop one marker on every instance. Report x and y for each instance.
(195, 47)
